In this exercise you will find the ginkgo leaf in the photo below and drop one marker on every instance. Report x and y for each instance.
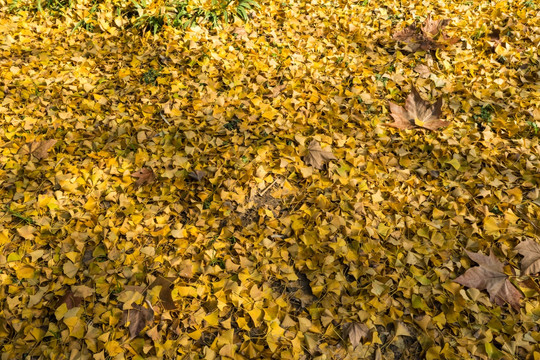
(317, 156)
(355, 332)
(530, 250)
(417, 112)
(490, 276)
(39, 149)
(144, 176)
(136, 319)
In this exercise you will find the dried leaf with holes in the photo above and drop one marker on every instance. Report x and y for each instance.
(417, 113)
(490, 276)
(317, 156)
(143, 176)
(530, 250)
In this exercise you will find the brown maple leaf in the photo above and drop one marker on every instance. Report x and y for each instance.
(417, 113)
(144, 176)
(355, 332)
(530, 250)
(432, 28)
(490, 276)
(137, 318)
(165, 294)
(317, 156)
(39, 149)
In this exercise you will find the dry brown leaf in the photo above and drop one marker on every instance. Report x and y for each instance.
(432, 28)
(39, 149)
(530, 250)
(70, 299)
(317, 156)
(165, 294)
(355, 332)
(143, 176)
(427, 36)
(490, 276)
(417, 113)
(197, 175)
(136, 319)
(422, 70)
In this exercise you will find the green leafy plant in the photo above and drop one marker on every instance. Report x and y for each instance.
(150, 76)
(53, 5)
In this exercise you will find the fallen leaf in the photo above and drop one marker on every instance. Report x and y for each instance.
(422, 70)
(197, 175)
(432, 28)
(143, 176)
(39, 149)
(355, 332)
(530, 250)
(70, 299)
(490, 276)
(317, 156)
(136, 319)
(165, 293)
(417, 112)
(425, 37)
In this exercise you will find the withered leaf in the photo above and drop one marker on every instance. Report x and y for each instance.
(144, 176)
(490, 276)
(427, 36)
(39, 149)
(432, 28)
(70, 299)
(317, 156)
(136, 319)
(417, 113)
(197, 175)
(422, 70)
(530, 250)
(165, 294)
(355, 332)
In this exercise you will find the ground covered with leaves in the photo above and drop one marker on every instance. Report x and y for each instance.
(326, 181)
